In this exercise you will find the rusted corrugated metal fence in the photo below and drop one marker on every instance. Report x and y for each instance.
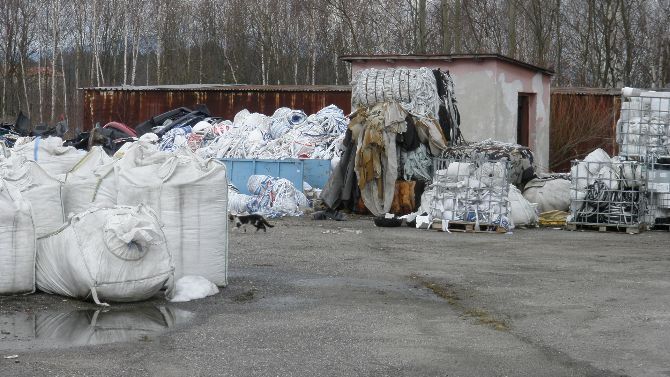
(133, 105)
(582, 119)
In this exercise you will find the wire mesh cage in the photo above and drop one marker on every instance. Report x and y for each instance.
(608, 193)
(659, 192)
(471, 190)
(644, 126)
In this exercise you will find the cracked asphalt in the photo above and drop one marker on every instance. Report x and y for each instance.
(325, 298)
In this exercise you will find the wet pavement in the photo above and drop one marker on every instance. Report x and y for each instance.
(347, 299)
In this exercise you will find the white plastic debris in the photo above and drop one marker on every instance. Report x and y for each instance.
(192, 287)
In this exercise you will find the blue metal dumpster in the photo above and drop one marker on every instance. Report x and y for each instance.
(314, 172)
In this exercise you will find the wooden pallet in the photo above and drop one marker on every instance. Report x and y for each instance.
(630, 229)
(665, 227)
(468, 227)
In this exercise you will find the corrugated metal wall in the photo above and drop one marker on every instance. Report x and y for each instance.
(582, 119)
(132, 107)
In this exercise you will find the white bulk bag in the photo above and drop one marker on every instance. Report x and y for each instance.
(190, 196)
(17, 242)
(50, 154)
(550, 195)
(522, 211)
(41, 189)
(91, 183)
(116, 254)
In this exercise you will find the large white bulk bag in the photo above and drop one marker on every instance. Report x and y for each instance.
(190, 196)
(50, 154)
(549, 194)
(115, 254)
(41, 189)
(91, 183)
(17, 242)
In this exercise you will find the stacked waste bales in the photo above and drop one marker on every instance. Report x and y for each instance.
(630, 190)
(402, 119)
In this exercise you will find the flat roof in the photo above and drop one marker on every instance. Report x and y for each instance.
(448, 58)
(587, 91)
(224, 88)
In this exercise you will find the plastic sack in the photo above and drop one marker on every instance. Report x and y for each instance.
(190, 196)
(116, 254)
(41, 189)
(17, 242)
(550, 195)
(50, 153)
(522, 211)
(91, 183)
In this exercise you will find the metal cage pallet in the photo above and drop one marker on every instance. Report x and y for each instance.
(644, 126)
(470, 190)
(609, 194)
(468, 227)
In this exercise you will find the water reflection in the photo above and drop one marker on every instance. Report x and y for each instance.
(90, 327)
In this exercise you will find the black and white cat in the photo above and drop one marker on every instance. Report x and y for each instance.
(258, 221)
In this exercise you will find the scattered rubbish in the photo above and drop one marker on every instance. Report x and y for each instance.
(116, 254)
(192, 287)
(329, 214)
(389, 220)
(11, 357)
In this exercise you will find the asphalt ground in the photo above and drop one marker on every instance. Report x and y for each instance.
(326, 298)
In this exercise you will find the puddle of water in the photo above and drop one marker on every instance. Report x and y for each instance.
(87, 327)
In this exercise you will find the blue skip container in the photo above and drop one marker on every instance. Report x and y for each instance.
(314, 172)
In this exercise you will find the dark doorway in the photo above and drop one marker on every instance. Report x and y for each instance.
(522, 121)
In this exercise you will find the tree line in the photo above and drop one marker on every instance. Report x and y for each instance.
(49, 48)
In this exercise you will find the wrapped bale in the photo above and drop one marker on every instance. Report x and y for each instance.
(91, 183)
(190, 196)
(116, 254)
(17, 242)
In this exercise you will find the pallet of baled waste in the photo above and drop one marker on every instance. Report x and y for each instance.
(473, 195)
(608, 194)
(643, 129)
(521, 162)
(116, 254)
